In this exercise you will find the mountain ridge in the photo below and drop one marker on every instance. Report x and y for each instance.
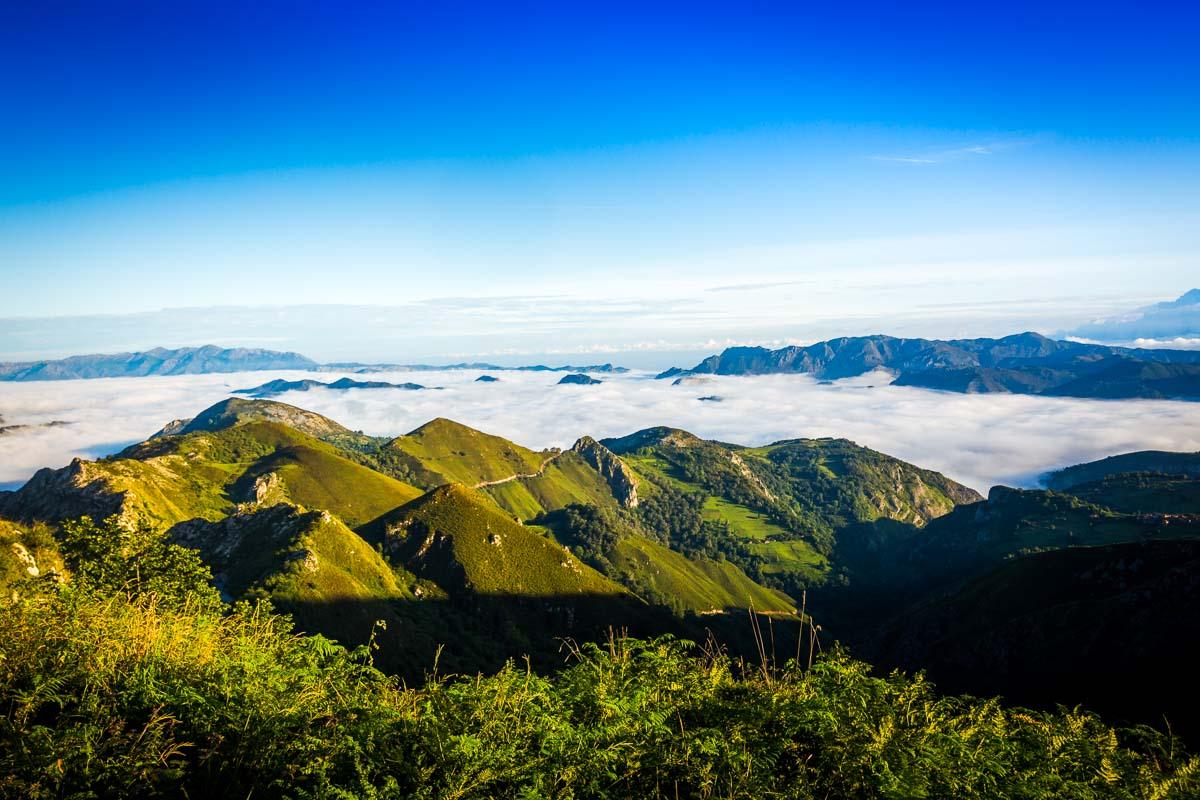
(1024, 363)
(206, 359)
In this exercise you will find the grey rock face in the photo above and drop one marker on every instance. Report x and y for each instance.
(619, 477)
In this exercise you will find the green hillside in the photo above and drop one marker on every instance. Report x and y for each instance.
(454, 453)
(236, 411)
(613, 543)
(315, 476)
(203, 474)
(1142, 492)
(1015, 522)
(460, 540)
(1113, 627)
(700, 585)
(781, 512)
(565, 480)
(291, 554)
(1167, 463)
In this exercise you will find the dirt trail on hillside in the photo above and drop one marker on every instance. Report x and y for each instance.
(545, 463)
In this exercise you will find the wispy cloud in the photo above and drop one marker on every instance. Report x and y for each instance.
(940, 156)
(754, 287)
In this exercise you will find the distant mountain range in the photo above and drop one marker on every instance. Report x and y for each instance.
(213, 359)
(1026, 363)
(159, 361)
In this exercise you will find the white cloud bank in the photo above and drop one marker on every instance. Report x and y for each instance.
(980, 440)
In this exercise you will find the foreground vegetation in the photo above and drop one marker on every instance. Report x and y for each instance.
(138, 682)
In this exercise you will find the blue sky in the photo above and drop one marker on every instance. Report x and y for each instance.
(533, 178)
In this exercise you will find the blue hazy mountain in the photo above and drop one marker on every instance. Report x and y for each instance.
(1025, 363)
(1174, 319)
(159, 361)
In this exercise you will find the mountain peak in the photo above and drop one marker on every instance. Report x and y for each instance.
(649, 437)
(442, 425)
(234, 411)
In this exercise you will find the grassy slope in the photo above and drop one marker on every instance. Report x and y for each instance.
(1143, 492)
(877, 485)
(316, 477)
(453, 534)
(204, 474)
(793, 501)
(568, 479)
(316, 569)
(458, 454)
(1014, 522)
(1112, 627)
(699, 585)
(1168, 463)
(781, 550)
(268, 549)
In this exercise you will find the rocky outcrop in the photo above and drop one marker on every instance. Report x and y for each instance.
(77, 489)
(619, 477)
(225, 545)
(172, 428)
(25, 560)
(266, 490)
(235, 410)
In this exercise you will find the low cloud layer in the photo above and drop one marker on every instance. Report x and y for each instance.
(980, 440)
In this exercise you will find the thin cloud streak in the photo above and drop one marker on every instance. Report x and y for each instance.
(940, 157)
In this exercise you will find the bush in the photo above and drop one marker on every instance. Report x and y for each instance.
(130, 696)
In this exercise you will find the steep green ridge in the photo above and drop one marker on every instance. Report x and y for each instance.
(697, 584)
(565, 480)
(781, 511)
(316, 477)
(1143, 492)
(1112, 627)
(292, 555)
(615, 544)
(203, 474)
(314, 568)
(1015, 522)
(454, 453)
(1166, 463)
(460, 540)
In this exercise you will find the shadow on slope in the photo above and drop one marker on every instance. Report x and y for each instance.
(467, 635)
(1113, 628)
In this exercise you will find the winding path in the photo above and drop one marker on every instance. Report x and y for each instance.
(545, 463)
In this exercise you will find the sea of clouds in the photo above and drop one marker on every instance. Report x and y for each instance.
(980, 440)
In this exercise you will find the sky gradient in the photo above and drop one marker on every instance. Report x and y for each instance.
(672, 177)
